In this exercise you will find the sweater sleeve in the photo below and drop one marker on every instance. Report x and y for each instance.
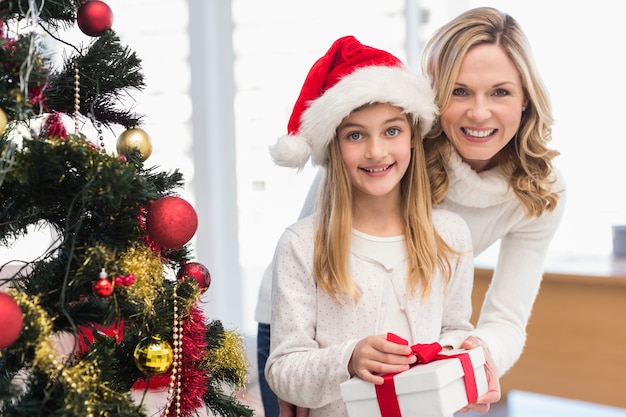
(515, 285)
(295, 354)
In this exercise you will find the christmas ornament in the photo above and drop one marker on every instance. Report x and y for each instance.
(196, 271)
(94, 17)
(4, 121)
(134, 138)
(103, 287)
(11, 321)
(171, 222)
(153, 356)
(126, 280)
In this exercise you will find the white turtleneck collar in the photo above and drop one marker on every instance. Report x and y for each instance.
(472, 189)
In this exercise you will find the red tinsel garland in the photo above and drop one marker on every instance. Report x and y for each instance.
(194, 382)
(54, 128)
(36, 95)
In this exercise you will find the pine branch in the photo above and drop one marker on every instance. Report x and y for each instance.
(53, 12)
(225, 405)
(107, 72)
(18, 101)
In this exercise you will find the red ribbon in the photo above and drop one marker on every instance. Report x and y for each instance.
(429, 352)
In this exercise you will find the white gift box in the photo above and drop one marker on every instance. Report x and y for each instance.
(434, 389)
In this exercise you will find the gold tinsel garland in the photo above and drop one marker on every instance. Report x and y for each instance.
(148, 269)
(82, 381)
(231, 357)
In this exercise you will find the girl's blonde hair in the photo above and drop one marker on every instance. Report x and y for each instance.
(427, 251)
(526, 159)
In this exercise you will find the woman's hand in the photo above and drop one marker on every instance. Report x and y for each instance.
(290, 410)
(493, 393)
(375, 355)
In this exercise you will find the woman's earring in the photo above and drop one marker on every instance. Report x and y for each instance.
(524, 109)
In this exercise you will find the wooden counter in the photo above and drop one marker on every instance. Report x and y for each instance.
(576, 346)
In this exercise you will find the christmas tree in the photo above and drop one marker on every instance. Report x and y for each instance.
(110, 309)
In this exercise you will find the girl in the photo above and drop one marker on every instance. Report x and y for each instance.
(376, 257)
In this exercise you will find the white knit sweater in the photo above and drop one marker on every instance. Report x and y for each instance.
(313, 336)
(493, 213)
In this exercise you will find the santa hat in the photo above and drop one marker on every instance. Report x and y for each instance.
(347, 77)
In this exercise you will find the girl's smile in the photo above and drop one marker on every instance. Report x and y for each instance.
(375, 143)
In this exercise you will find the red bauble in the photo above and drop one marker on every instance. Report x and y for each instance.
(103, 287)
(11, 320)
(196, 271)
(128, 280)
(171, 222)
(94, 17)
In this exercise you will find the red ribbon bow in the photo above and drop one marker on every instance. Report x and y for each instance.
(429, 352)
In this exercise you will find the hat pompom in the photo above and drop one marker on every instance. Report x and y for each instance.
(291, 151)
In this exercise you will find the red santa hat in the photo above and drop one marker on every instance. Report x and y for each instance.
(347, 77)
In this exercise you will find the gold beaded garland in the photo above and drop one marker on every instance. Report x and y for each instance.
(174, 389)
(76, 98)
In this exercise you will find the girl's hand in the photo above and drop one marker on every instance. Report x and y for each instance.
(375, 355)
(493, 393)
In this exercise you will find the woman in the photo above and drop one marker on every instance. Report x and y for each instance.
(488, 161)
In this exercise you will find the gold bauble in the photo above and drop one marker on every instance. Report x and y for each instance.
(153, 356)
(4, 121)
(134, 138)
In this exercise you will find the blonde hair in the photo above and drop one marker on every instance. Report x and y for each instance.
(427, 252)
(526, 159)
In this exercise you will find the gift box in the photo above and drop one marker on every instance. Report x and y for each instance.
(438, 388)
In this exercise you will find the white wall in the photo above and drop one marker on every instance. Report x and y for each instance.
(577, 46)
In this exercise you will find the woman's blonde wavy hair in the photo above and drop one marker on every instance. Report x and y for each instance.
(427, 252)
(526, 159)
